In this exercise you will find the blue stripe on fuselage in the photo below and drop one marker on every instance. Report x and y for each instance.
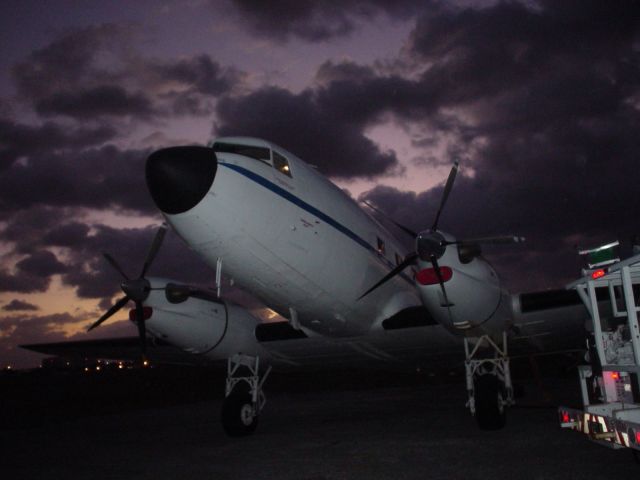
(309, 208)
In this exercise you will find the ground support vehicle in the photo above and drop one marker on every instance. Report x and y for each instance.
(610, 383)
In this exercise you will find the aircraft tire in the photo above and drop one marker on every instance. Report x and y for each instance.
(490, 413)
(237, 415)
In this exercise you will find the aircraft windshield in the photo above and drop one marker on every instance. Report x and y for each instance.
(281, 164)
(258, 153)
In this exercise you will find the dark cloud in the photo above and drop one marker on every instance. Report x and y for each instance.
(96, 71)
(316, 21)
(25, 228)
(32, 273)
(69, 60)
(42, 323)
(484, 52)
(19, 305)
(96, 101)
(100, 178)
(306, 125)
(67, 235)
(201, 74)
(42, 264)
(22, 282)
(330, 71)
(18, 140)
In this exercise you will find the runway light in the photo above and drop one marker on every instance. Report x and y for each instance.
(145, 363)
(98, 368)
(598, 273)
(86, 369)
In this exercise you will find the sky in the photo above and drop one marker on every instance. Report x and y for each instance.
(539, 101)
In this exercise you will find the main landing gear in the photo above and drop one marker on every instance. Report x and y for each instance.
(489, 386)
(244, 398)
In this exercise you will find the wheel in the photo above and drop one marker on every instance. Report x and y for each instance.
(490, 411)
(238, 418)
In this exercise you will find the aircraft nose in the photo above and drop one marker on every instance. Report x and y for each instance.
(178, 178)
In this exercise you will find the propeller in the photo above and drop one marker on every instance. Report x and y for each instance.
(399, 225)
(136, 290)
(445, 194)
(431, 245)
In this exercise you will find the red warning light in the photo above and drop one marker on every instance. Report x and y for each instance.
(146, 313)
(565, 417)
(615, 375)
(638, 437)
(598, 273)
(428, 276)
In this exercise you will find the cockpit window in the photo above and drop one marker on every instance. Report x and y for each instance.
(259, 153)
(281, 164)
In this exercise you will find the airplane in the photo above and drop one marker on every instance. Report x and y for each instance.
(351, 294)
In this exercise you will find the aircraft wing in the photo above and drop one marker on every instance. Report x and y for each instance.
(551, 321)
(122, 348)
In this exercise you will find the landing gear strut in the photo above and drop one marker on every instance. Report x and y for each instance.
(489, 386)
(244, 398)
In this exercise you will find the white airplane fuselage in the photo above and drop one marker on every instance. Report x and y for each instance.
(297, 243)
(292, 238)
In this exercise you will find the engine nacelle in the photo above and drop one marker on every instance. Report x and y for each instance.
(477, 303)
(200, 326)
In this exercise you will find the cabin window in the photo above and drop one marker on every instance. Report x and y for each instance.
(381, 249)
(281, 164)
(258, 153)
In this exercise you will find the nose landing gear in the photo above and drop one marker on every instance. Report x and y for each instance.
(489, 386)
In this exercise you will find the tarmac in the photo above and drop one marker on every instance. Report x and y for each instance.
(408, 430)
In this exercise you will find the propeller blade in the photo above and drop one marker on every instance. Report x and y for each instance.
(153, 249)
(115, 265)
(500, 240)
(436, 267)
(142, 329)
(445, 194)
(401, 227)
(409, 259)
(117, 306)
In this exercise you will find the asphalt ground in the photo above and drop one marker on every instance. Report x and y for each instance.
(409, 429)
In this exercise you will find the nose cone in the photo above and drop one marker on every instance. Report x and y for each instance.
(178, 178)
